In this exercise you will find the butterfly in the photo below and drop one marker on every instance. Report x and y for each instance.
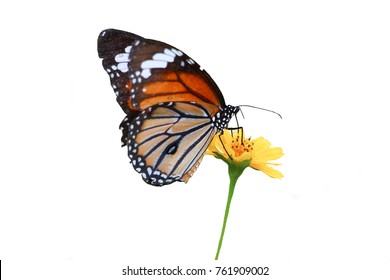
(173, 107)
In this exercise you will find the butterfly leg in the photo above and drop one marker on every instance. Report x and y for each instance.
(241, 132)
(239, 128)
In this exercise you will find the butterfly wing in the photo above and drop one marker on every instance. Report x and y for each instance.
(167, 141)
(146, 72)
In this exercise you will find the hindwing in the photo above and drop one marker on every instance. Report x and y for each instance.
(167, 141)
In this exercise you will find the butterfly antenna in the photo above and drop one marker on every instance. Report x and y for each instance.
(242, 113)
(255, 107)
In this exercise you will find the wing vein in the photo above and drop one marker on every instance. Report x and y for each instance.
(194, 144)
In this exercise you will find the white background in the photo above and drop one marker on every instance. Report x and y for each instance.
(72, 207)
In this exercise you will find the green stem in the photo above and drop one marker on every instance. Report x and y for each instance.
(234, 173)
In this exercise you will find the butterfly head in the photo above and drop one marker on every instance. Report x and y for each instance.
(223, 117)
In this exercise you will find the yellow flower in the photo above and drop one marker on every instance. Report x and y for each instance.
(239, 153)
(235, 148)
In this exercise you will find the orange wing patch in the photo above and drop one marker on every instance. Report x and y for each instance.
(172, 87)
(158, 88)
(184, 97)
(198, 85)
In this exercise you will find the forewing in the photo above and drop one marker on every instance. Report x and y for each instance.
(146, 72)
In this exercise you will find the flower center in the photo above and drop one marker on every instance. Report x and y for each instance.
(240, 145)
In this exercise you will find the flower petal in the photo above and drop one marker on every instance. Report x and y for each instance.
(267, 154)
(242, 157)
(271, 172)
(212, 149)
(260, 144)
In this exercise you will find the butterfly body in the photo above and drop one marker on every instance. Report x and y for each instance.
(173, 107)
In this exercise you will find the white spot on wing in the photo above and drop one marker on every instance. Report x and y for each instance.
(177, 52)
(146, 73)
(150, 64)
(128, 49)
(122, 57)
(169, 52)
(163, 57)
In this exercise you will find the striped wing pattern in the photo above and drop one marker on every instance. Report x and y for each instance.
(166, 142)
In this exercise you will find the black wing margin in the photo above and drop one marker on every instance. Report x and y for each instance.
(114, 47)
